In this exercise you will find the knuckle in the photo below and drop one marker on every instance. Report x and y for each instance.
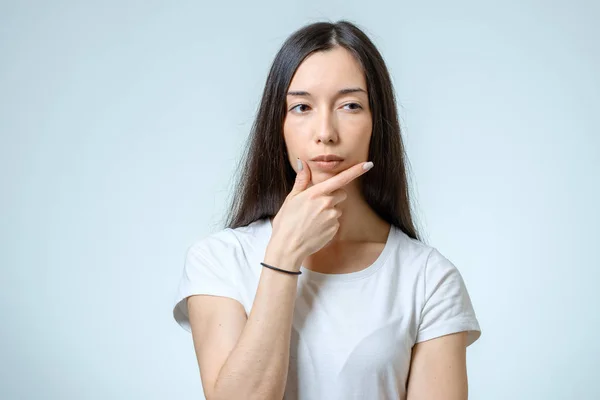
(327, 202)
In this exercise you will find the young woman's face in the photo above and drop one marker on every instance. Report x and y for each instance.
(328, 113)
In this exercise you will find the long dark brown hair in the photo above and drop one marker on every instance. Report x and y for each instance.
(265, 176)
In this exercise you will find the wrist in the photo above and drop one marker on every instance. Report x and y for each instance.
(282, 257)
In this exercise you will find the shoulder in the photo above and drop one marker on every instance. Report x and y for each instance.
(228, 242)
(218, 264)
(412, 255)
(420, 255)
(424, 266)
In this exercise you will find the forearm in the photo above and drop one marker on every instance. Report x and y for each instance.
(257, 366)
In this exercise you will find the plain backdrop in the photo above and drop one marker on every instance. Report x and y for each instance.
(122, 123)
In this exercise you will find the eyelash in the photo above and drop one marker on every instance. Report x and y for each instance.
(356, 104)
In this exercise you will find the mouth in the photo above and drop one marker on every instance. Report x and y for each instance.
(326, 165)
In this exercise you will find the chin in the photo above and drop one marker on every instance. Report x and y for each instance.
(321, 176)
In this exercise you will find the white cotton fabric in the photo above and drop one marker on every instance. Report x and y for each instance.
(352, 333)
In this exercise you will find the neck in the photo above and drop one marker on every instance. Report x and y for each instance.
(358, 222)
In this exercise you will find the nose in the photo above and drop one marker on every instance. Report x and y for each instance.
(326, 130)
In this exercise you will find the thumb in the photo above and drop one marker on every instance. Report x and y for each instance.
(303, 176)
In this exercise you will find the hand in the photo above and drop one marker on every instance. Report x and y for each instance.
(308, 218)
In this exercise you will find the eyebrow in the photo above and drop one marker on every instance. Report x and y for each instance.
(340, 92)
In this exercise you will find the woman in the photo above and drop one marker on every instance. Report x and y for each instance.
(319, 287)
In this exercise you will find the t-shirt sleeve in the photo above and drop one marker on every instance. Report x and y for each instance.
(447, 306)
(212, 267)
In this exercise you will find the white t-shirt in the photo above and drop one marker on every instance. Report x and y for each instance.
(352, 333)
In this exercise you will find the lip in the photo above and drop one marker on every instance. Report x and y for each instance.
(327, 165)
(327, 157)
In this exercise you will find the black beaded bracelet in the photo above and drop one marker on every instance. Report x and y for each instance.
(281, 270)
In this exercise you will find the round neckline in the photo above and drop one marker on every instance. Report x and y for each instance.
(349, 276)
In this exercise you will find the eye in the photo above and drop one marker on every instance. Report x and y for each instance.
(355, 107)
(299, 105)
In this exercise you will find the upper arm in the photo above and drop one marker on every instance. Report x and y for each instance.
(217, 323)
(438, 369)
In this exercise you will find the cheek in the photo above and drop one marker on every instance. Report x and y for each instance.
(293, 126)
(358, 131)
(291, 138)
(356, 123)
(362, 145)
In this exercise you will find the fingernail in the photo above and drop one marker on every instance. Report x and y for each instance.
(299, 164)
(367, 166)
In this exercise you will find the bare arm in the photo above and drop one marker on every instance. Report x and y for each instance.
(439, 369)
(247, 359)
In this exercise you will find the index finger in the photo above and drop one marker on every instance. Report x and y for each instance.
(342, 179)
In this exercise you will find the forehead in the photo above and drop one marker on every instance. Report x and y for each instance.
(328, 71)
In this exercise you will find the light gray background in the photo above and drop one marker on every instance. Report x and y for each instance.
(121, 124)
